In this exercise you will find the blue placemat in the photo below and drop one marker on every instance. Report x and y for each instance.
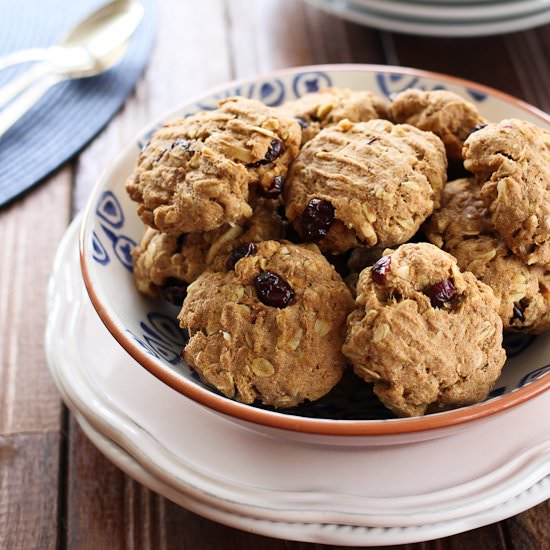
(72, 112)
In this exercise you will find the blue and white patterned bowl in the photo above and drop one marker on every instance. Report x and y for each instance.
(148, 329)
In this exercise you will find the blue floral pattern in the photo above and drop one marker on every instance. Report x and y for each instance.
(391, 84)
(161, 337)
(305, 83)
(275, 91)
(111, 216)
(271, 92)
(534, 375)
(100, 254)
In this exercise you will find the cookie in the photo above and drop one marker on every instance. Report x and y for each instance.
(462, 226)
(426, 335)
(195, 173)
(444, 113)
(163, 262)
(511, 162)
(364, 184)
(319, 110)
(271, 328)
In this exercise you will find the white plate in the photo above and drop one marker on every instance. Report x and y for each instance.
(323, 533)
(318, 532)
(470, 13)
(272, 486)
(460, 2)
(358, 14)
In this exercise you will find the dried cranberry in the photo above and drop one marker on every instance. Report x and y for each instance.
(183, 143)
(272, 290)
(274, 190)
(317, 218)
(241, 251)
(380, 269)
(276, 149)
(174, 291)
(301, 121)
(477, 127)
(177, 143)
(180, 241)
(518, 314)
(441, 293)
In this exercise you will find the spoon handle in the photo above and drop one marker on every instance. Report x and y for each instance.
(18, 107)
(17, 85)
(24, 56)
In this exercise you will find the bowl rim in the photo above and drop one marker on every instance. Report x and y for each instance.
(273, 419)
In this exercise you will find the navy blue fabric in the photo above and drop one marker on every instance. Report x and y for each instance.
(71, 113)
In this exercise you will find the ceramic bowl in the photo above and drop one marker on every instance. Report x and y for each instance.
(147, 329)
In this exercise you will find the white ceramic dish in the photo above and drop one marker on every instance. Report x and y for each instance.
(220, 470)
(446, 13)
(320, 533)
(459, 2)
(360, 14)
(147, 329)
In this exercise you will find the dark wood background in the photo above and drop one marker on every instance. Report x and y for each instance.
(56, 489)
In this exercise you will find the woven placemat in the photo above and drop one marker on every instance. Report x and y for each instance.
(71, 113)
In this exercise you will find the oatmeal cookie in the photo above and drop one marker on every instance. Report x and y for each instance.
(511, 162)
(444, 113)
(195, 173)
(318, 110)
(270, 329)
(364, 184)
(428, 336)
(164, 261)
(463, 227)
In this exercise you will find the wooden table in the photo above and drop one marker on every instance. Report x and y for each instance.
(56, 489)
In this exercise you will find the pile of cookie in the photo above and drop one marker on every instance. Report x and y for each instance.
(303, 239)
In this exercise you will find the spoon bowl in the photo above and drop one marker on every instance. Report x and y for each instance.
(98, 42)
(93, 46)
(87, 44)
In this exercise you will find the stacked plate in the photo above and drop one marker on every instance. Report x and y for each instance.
(273, 486)
(442, 17)
(310, 478)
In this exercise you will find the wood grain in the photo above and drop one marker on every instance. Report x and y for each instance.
(530, 529)
(104, 508)
(30, 229)
(30, 407)
(454, 56)
(29, 469)
(56, 489)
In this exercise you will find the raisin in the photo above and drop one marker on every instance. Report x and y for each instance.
(477, 127)
(518, 314)
(441, 293)
(274, 190)
(276, 149)
(177, 143)
(174, 291)
(180, 241)
(317, 218)
(380, 269)
(241, 251)
(183, 143)
(273, 290)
